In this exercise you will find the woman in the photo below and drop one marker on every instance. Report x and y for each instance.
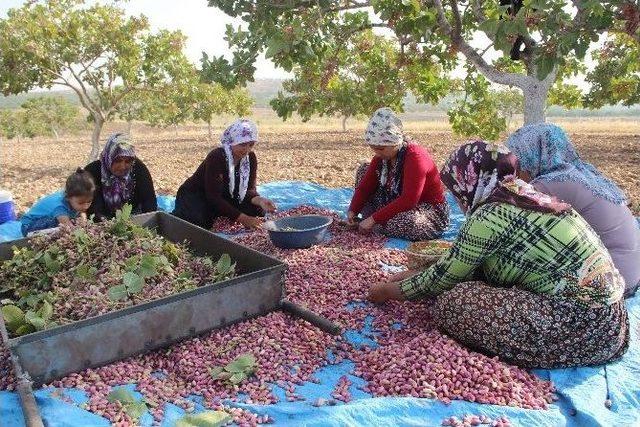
(225, 182)
(121, 178)
(549, 160)
(399, 191)
(550, 295)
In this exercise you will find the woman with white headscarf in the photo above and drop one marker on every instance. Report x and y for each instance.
(225, 182)
(399, 193)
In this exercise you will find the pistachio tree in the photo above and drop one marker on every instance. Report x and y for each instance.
(212, 99)
(94, 49)
(354, 77)
(53, 113)
(531, 45)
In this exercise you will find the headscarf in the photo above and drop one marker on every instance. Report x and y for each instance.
(478, 173)
(116, 190)
(385, 129)
(545, 152)
(239, 132)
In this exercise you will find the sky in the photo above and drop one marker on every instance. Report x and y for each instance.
(204, 26)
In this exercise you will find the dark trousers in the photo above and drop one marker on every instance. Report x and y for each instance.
(193, 207)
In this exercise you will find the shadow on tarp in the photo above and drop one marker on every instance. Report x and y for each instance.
(582, 391)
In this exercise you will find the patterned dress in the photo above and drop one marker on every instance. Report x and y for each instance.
(551, 296)
(424, 222)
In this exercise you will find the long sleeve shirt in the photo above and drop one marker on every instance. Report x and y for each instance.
(615, 224)
(143, 198)
(420, 184)
(212, 179)
(513, 247)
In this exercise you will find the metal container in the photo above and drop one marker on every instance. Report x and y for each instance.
(305, 231)
(258, 289)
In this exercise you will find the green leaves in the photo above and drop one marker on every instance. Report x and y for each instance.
(205, 419)
(132, 283)
(86, 273)
(235, 371)
(13, 317)
(22, 323)
(131, 406)
(224, 265)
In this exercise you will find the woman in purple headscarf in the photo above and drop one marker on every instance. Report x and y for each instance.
(121, 178)
(225, 182)
(527, 279)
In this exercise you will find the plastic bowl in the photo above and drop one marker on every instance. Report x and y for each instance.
(308, 230)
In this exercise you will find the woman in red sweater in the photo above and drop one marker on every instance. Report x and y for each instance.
(399, 193)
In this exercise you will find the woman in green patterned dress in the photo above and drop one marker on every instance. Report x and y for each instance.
(549, 294)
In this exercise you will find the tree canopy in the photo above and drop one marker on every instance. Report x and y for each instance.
(531, 45)
(95, 50)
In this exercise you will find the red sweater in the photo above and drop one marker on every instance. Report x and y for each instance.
(420, 184)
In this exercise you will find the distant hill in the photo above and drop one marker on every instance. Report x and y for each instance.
(15, 101)
(263, 90)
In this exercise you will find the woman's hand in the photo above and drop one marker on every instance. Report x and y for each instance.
(250, 221)
(266, 204)
(366, 225)
(384, 291)
(403, 275)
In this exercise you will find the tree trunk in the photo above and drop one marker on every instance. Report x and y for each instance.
(129, 123)
(175, 130)
(95, 138)
(55, 132)
(535, 99)
(344, 123)
(210, 131)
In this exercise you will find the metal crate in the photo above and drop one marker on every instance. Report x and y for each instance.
(258, 289)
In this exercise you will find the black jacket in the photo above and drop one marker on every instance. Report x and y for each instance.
(143, 198)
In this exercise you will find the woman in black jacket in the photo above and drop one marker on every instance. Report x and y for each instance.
(120, 178)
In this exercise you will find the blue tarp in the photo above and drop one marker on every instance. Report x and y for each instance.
(582, 391)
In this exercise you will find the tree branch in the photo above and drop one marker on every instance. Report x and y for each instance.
(489, 71)
(476, 6)
(84, 89)
(457, 20)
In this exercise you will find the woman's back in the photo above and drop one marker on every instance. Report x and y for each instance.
(539, 252)
(614, 224)
(545, 253)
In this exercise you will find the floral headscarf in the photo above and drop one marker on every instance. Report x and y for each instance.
(478, 173)
(240, 132)
(116, 190)
(385, 129)
(545, 152)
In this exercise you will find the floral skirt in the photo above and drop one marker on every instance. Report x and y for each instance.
(424, 222)
(532, 330)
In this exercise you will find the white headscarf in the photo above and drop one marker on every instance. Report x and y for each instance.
(239, 132)
(384, 129)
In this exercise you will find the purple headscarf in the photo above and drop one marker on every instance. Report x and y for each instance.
(239, 132)
(478, 173)
(116, 190)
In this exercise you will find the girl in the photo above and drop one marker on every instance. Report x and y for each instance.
(61, 207)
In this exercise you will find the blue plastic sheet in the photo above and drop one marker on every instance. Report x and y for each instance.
(582, 391)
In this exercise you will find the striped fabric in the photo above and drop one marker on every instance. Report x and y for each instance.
(507, 246)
